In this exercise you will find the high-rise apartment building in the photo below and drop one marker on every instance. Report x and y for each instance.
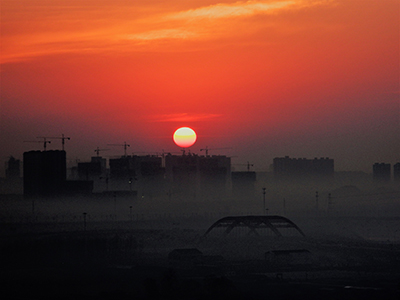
(45, 172)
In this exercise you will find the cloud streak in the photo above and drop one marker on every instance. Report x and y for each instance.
(173, 33)
(238, 9)
(183, 117)
(207, 22)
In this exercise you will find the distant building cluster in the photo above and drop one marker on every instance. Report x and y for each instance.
(45, 174)
(382, 172)
(185, 176)
(136, 166)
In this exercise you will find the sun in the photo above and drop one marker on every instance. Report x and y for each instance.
(184, 137)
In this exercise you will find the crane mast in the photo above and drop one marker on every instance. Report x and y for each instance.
(124, 144)
(207, 149)
(97, 150)
(248, 165)
(45, 142)
(62, 138)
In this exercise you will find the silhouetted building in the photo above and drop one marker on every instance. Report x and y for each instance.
(92, 170)
(148, 166)
(13, 169)
(181, 167)
(205, 176)
(143, 173)
(214, 175)
(135, 166)
(44, 172)
(381, 172)
(286, 167)
(396, 172)
(181, 171)
(123, 167)
(149, 180)
(12, 183)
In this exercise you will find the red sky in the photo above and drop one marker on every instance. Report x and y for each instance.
(304, 78)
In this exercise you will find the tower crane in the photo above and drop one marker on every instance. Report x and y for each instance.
(125, 146)
(248, 166)
(62, 137)
(45, 142)
(98, 150)
(207, 149)
(163, 153)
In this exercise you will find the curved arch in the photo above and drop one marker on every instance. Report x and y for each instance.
(254, 222)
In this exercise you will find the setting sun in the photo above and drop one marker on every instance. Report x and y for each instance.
(184, 137)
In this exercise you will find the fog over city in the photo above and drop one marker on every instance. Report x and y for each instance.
(159, 226)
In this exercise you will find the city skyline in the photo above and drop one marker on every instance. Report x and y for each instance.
(113, 151)
(264, 78)
(278, 166)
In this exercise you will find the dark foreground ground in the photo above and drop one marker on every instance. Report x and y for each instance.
(129, 260)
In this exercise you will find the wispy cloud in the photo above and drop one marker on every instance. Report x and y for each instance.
(218, 20)
(128, 30)
(173, 33)
(205, 22)
(183, 117)
(227, 10)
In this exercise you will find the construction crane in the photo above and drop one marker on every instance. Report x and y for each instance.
(163, 153)
(98, 150)
(63, 138)
(125, 146)
(207, 149)
(45, 142)
(248, 165)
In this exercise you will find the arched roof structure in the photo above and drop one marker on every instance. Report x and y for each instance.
(255, 222)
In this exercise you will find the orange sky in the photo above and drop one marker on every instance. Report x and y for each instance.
(304, 78)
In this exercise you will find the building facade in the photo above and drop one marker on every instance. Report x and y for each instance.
(202, 177)
(396, 172)
(13, 170)
(45, 172)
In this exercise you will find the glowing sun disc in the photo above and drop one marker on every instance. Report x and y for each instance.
(184, 137)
